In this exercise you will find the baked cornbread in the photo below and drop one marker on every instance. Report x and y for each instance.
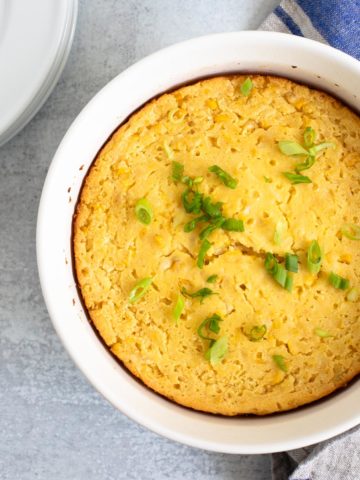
(285, 346)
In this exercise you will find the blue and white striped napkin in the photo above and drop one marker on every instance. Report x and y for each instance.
(337, 23)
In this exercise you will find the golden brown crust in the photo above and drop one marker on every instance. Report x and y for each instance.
(200, 125)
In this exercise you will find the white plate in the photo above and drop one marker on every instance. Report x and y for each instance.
(35, 40)
(244, 51)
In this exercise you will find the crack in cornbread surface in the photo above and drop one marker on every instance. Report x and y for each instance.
(199, 125)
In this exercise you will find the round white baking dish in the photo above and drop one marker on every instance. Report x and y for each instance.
(294, 57)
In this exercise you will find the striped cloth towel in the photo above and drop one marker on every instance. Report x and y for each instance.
(337, 23)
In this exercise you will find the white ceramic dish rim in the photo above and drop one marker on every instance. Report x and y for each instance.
(238, 51)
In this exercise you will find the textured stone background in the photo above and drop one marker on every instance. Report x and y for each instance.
(53, 424)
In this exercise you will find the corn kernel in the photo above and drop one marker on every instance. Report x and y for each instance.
(212, 103)
(159, 240)
(222, 117)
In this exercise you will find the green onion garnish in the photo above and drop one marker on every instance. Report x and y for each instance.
(321, 146)
(338, 282)
(212, 278)
(225, 177)
(280, 362)
(190, 226)
(191, 201)
(177, 171)
(217, 350)
(291, 263)
(295, 178)
(139, 289)
(187, 181)
(351, 231)
(279, 230)
(271, 264)
(246, 87)
(179, 307)
(290, 148)
(257, 333)
(322, 333)
(143, 211)
(205, 245)
(353, 295)
(309, 162)
(309, 137)
(212, 324)
(314, 257)
(278, 272)
(215, 224)
(267, 179)
(289, 283)
(280, 275)
(210, 208)
(202, 293)
(233, 225)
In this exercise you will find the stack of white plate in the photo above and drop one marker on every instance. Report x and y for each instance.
(35, 40)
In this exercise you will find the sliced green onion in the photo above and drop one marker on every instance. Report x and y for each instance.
(322, 333)
(350, 230)
(279, 230)
(143, 211)
(321, 146)
(290, 148)
(267, 179)
(188, 181)
(177, 171)
(212, 278)
(139, 289)
(278, 272)
(353, 295)
(309, 162)
(280, 362)
(216, 223)
(217, 350)
(314, 257)
(309, 137)
(205, 245)
(191, 201)
(271, 264)
(212, 323)
(202, 293)
(295, 179)
(225, 177)
(289, 283)
(210, 208)
(280, 275)
(246, 87)
(233, 225)
(257, 333)
(338, 282)
(190, 226)
(179, 307)
(291, 262)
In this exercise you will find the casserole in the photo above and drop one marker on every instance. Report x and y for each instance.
(264, 52)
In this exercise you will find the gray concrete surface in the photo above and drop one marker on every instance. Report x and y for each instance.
(53, 424)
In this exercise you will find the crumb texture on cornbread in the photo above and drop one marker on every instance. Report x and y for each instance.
(207, 123)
